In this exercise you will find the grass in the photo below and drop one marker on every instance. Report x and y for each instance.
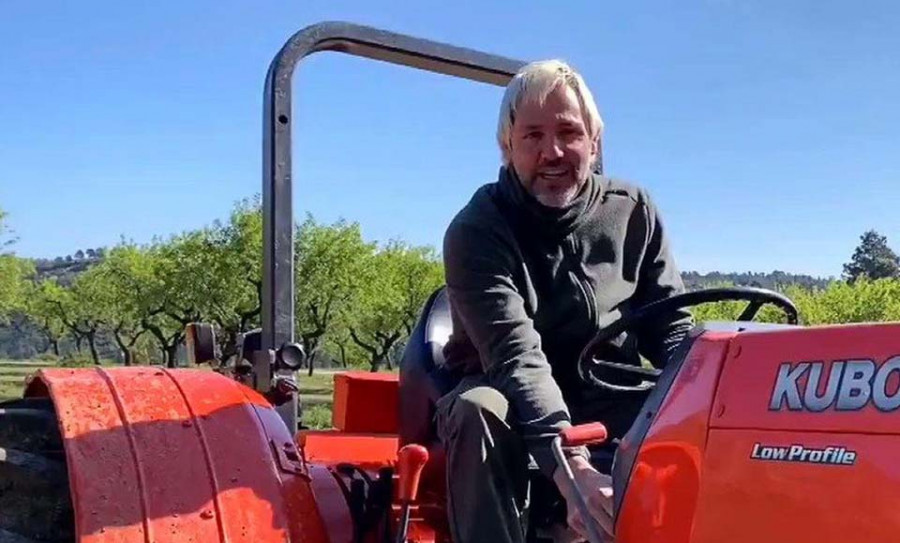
(10, 390)
(317, 416)
(13, 374)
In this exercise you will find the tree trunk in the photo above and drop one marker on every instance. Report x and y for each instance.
(311, 358)
(55, 344)
(93, 346)
(379, 351)
(343, 355)
(311, 342)
(126, 350)
(172, 355)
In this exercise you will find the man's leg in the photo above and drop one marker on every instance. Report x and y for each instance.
(487, 465)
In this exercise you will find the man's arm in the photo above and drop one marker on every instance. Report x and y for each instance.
(479, 268)
(660, 278)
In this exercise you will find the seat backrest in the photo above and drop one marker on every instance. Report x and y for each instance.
(423, 378)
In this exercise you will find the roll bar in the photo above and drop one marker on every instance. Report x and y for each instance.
(278, 218)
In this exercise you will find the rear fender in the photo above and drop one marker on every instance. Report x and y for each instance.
(185, 455)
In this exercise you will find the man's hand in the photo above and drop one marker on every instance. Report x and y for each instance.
(598, 493)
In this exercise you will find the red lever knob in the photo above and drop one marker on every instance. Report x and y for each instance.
(410, 461)
(584, 434)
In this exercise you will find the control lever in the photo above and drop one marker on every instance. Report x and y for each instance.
(410, 463)
(577, 436)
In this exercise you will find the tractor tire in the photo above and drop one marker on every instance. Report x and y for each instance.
(35, 505)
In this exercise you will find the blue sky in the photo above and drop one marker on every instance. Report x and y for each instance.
(767, 131)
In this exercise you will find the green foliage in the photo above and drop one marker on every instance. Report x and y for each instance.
(872, 259)
(865, 300)
(355, 300)
(14, 273)
(399, 279)
(317, 417)
(331, 272)
(840, 302)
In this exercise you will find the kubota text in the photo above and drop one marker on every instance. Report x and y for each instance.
(848, 385)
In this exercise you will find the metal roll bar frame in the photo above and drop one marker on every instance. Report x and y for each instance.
(278, 217)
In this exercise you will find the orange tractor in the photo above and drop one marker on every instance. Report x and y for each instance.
(753, 432)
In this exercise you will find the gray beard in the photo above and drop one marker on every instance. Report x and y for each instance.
(558, 199)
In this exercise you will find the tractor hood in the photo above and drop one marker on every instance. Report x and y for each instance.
(825, 379)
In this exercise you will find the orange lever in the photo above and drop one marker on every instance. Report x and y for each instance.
(592, 433)
(410, 462)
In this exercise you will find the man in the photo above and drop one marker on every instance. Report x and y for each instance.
(535, 264)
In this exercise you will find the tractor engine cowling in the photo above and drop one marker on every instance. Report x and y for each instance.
(768, 433)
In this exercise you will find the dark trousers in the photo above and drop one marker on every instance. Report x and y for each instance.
(495, 492)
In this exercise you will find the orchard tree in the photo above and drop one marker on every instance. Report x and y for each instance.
(14, 274)
(41, 309)
(342, 348)
(237, 246)
(81, 309)
(399, 280)
(214, 275)
(184, 267)
(330, 273)
(124, 293)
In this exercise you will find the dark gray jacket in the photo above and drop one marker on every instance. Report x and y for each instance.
(530, 285)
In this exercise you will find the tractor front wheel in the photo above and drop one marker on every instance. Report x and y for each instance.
(35, 505)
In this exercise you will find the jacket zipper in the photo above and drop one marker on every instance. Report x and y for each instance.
(586, 291)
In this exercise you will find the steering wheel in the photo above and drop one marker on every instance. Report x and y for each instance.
(589, 364)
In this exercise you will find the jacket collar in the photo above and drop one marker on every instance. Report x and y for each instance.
(541, 219)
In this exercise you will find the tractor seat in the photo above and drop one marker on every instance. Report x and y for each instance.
(423, 378)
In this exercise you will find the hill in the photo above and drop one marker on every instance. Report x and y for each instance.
(773, 280)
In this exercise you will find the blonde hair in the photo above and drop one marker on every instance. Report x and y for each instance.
(534, 82)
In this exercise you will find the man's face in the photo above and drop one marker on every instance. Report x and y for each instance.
(551, 149)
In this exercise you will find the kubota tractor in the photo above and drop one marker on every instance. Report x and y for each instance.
(753, 432)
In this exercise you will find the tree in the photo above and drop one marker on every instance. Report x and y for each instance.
(331, 265)
(42, 311)
(123, 284)
(80, 309)
(212, 275)
(399, 280)
(872, 259)
(342, 347)
(14, 272)
(178, 289)
(238, 245)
